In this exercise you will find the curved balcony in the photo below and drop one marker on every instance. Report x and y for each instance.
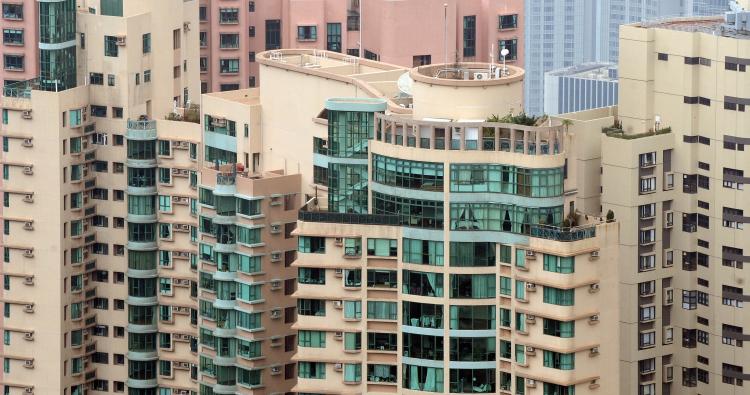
(142, 218)
(142, 384)
(142, 328)
(220, 219)
(142, 273)
(224, 276)
(141, 163)
(143, 301)
(470, 136)
(225, 304)
(141, 129)
(225, 389)
(144, 355)
(142, 245)
(225, 360)
(146, 190)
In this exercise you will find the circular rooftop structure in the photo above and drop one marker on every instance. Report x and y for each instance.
(467, 74)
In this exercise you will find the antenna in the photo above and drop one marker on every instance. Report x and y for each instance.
(445, 31)
(504, 53)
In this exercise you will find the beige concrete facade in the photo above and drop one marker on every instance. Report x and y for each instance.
(677, 194)
(72, 286)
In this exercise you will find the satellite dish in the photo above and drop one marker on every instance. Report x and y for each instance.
(405, 84)
(504, 52)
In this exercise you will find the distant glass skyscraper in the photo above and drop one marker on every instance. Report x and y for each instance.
(560, 33)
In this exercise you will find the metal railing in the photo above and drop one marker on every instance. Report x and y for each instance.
(347, 218)
(563, 234)
(141, 124)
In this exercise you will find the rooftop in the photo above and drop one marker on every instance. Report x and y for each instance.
(467, 74)
(719, 25)
(243, 96)
(376, 79)
(598, 71)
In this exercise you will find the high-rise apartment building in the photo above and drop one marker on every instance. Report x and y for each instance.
(20, 43)
(673, 172)
(560, 34)
(246, 250)
(100, 195)
(439, 251)
(406, 33)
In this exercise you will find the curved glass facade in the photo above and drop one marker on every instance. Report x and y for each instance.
(401, 173)
(57, 49)
(507, 179)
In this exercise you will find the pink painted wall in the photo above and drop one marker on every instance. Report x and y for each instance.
(395, 30)
(29, 49)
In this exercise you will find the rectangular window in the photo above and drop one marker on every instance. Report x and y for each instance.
(470, 36)
(333, 39)
(229, 66)
(147, 43)
(13, 36)
(560, 297)
(110, 46)
(511, 46)
(229, 40)
(273, 34)
(229, 16)
(508, 21)
(307, 33)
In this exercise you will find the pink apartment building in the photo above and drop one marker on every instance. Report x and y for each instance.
(406, 33)
(19, 46)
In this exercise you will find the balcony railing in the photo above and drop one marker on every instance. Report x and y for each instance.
(563, 234)
(347, 218)
(141, 124)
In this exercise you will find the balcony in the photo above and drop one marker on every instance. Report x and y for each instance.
(563, 234)
(347, 218)
(141, 129)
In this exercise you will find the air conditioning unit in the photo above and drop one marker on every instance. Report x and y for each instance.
(481, 76)
(595, 254)
(28, 336)
(339, 241)
(275, 284)
(28, 253)
(29, 363)
(275, 228)
(28, 143)
(338, 335)
(530, 350)
(531, 286)
(530, 254)
(594, 318)
(338, 272)
(28, 280)
(338, 367)
(594, 350)
(26, 114)
(530, 319)
(28, 225)
(593, 288)
(183, 392)
(28, 198)
(121, 41)
(531, 383)
(28, 390)
(276, 313)
(29, 308)
(275, 256)
(275, 370)
(186, 26)
(338, 304)
(28, 170)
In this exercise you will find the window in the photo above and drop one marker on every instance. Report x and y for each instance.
(558, 264)
(203, 14)
(229, 40)
(13, 62)
(382, 310)
(229, 66)
(560, 361)
(229, 16)
(333, 40)
(110, 46)
(307, 33)
(311, 244)
(147, 43)
(508, 21)
(13, 11)
(662, 56)
(312, 370)
(13, 36)
(647, 339)
(470, 35)
(421, 60)
(564, 329)
(352, 309)
(511, 46)
(273, 34)
(560, 297)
